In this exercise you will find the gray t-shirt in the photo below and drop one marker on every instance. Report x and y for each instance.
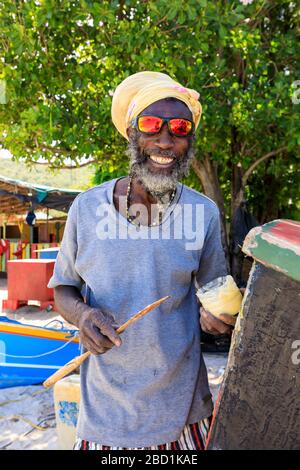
(144, 392)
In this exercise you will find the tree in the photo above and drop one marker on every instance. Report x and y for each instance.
(63, 59)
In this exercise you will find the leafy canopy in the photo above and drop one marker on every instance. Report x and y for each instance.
(61, 61)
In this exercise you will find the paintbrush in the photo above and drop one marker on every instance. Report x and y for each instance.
(78, 360)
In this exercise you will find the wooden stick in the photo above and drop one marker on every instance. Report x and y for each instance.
(78, 360)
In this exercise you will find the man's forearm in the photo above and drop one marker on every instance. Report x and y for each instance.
(69, 303)
(96, 331)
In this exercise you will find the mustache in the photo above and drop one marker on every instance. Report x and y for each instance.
(141, 156)
(161, 153)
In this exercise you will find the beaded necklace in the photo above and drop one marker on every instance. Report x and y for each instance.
(161, 207)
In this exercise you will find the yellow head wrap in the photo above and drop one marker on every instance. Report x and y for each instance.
(140, 90)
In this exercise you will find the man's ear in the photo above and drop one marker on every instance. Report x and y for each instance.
(131, 132)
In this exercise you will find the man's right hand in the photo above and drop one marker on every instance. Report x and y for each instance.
(96, 331)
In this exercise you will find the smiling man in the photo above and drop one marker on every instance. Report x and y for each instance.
(149, 390)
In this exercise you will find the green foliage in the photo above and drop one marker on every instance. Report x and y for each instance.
(281, 197)
(61, 61)
(106, 172)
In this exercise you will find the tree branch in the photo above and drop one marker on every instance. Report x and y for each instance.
(42, 148)
(174, 29)
(65, 167)
(257, 162)
(161, 20)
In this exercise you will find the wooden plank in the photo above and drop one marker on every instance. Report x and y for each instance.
(258, 406)
(277, 245)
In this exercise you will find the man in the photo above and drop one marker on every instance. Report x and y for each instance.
(126, 245)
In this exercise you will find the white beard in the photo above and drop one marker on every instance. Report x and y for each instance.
(159, 185)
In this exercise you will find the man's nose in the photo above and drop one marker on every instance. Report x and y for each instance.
(164, 139)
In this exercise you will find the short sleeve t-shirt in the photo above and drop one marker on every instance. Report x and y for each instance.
(144, 392)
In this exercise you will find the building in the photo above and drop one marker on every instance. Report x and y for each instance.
(31, 217)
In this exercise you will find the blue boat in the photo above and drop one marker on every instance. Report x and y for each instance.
(30, 354)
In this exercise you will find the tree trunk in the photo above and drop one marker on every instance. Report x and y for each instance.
(269, 210)
(237, 196)
(206, 170)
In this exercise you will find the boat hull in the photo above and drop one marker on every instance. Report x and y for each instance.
(30, 354)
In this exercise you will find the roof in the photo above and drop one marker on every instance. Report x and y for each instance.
(17, 197)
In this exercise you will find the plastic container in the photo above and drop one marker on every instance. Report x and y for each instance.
(221, 296)
(66, 401)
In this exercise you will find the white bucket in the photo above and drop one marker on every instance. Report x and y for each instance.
(66, 401)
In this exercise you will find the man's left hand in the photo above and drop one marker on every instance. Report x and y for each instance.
(224, 324)
(216, 326)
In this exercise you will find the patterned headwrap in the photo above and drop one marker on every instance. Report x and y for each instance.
(140, 90)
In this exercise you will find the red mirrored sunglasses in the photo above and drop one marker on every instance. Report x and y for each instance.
(152, 125)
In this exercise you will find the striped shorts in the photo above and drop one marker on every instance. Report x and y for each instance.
(193, 437)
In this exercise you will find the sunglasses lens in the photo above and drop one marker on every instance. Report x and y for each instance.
(180, 127)
(149, 124)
